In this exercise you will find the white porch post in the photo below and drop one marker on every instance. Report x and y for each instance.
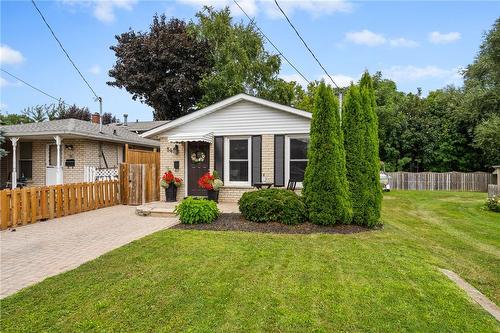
(59, 179)
(14, 162)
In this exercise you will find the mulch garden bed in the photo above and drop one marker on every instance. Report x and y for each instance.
(236, 222)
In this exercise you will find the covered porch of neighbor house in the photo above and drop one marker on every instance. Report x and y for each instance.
(29, 160)
(58, 159)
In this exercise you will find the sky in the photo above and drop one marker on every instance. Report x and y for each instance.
(415, 43)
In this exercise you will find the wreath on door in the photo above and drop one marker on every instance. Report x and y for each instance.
(198, 157)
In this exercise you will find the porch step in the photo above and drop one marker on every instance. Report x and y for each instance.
(166, 209)
(160, 209)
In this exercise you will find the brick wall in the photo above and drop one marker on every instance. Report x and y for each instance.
(227, 194)
(39, 162)
(233, 194)
(268, 157)
(84, 152)
(167, 163)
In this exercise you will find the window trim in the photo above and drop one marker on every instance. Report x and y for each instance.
(227, 182)
(287, 155)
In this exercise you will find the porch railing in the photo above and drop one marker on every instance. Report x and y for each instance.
(92, 174)
(33, 204)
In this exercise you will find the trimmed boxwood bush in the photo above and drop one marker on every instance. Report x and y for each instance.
(272, 205)
(194, 211)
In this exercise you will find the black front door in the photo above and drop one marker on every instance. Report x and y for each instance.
(198, 164)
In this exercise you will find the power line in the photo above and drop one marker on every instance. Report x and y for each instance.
(270, 42)
(303, 41)
(64, 50)
(32, 86)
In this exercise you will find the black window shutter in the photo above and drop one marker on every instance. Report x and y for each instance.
(256, 159)
(219, 155)
(279, 160)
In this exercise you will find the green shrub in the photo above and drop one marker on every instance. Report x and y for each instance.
(493, 204)
(194, 211)
(272, 205)
(326, 189)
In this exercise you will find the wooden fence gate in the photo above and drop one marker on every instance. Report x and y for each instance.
(139, 183)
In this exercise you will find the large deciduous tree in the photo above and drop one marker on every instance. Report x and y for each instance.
(162, 67)
(326, 190)
(240, 62)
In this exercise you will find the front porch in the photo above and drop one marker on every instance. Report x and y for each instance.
(166, 209)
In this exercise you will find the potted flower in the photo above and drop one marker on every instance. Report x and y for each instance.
(170, 183)
(212, 183)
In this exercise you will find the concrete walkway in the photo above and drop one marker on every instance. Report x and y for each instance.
(35, 252)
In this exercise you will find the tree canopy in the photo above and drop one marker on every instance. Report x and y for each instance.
(240, 63)
(161, 67)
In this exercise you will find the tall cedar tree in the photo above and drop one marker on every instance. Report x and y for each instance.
(373, 203)
(161, 67)
(354, 128)
(326, 190)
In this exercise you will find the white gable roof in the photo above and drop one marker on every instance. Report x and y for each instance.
(224, 104)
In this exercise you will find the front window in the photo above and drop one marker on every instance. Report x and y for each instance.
(25, 160)
(297, 161)
(238, 162)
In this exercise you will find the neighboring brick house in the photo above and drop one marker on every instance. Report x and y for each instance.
(62, 151)
(248, 140)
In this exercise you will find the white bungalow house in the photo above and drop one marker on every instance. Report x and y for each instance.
(248, 140)
(64, 151)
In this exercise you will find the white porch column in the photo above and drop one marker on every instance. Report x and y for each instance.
(59, 179)
(14, 162)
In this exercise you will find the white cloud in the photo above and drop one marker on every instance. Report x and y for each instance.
(403, 42)
(104, 10)
(437, 37)
(294, 77)
(414, 73)
(96, 70)
(340, 79)
(314, 7)
(365, 37)
(253, 7)
(10, 56)
(249, 6)
(3, 106)
(3, 82)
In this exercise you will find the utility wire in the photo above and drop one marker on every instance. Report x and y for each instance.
(270, 42)
(303, 41)
(32, 86)
(64, 50)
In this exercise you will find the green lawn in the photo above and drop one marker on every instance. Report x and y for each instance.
(380, 281)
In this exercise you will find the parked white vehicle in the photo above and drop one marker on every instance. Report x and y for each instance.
(384, 181)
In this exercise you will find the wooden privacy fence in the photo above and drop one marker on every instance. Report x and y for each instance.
(139, 183)
(493, 190)
(33, 204)
(137, 156)
(446, 181)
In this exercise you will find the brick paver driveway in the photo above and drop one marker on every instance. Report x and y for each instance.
(35, 252)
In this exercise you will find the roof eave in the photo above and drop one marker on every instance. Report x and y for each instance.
(85, 136)
(219, 105)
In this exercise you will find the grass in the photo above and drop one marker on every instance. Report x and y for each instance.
(203, 281)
